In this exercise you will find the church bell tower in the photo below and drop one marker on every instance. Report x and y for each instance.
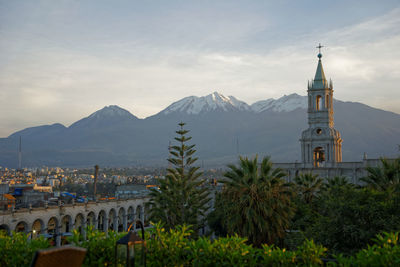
(321, 144)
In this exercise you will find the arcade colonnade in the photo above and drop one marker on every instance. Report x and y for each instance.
(58, 221)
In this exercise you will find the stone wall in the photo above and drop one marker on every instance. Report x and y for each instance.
(352, 170)
(63, 218)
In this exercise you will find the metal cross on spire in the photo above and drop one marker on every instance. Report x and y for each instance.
(319, 50)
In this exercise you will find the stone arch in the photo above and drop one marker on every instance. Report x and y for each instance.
(52, 226)
(66, 224)
(5, 228)
(112, 220)
(79, 222)
(101, 220)
(21, 226)
(37, 228)
(91, 219)
(131, 214)
(139, 212)
(319, 156)
(121, 222)
(53, 231)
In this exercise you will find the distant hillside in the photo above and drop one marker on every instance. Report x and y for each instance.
(222, 127)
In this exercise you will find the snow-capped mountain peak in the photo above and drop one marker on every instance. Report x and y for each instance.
(284, 104)
(111, 111)
(212, 102)
(105, 117)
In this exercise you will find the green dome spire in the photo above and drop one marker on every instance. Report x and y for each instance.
(319, 74)
(319, 80)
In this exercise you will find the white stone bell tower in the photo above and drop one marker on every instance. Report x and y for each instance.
(321, 145)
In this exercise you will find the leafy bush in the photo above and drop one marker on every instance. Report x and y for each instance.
(385, 252)
(310, 254)
(168, 248)
(274, 256)
(229, 251)
(176, 248)
(17, 250)
(100, 247)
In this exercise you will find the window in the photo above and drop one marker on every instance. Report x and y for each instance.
(318, 102)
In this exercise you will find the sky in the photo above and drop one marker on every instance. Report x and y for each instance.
(62, 60)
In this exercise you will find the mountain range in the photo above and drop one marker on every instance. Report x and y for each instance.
(222, 128)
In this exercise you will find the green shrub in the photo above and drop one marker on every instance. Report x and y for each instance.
(176, 248)
(274, 256)
(228, 251)
(100, 247)
(310, 254)
(17, 250)
(168, 248)
(385, 252)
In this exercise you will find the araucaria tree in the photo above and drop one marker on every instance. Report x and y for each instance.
(182, 197)
(256, 202)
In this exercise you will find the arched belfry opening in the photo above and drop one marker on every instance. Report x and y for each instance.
(319, 157)
(318, 102)
(321, 144)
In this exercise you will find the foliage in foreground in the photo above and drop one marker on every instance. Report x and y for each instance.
(175, 247)
(384, 252)
(100, 247)
(17, 250)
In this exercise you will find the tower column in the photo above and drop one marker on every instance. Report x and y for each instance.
(320, 143)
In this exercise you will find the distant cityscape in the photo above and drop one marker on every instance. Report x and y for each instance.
(37, 187)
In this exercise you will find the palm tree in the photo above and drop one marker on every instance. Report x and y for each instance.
(308, 185)
(336, 182)
(256, 201)
(384, 177)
